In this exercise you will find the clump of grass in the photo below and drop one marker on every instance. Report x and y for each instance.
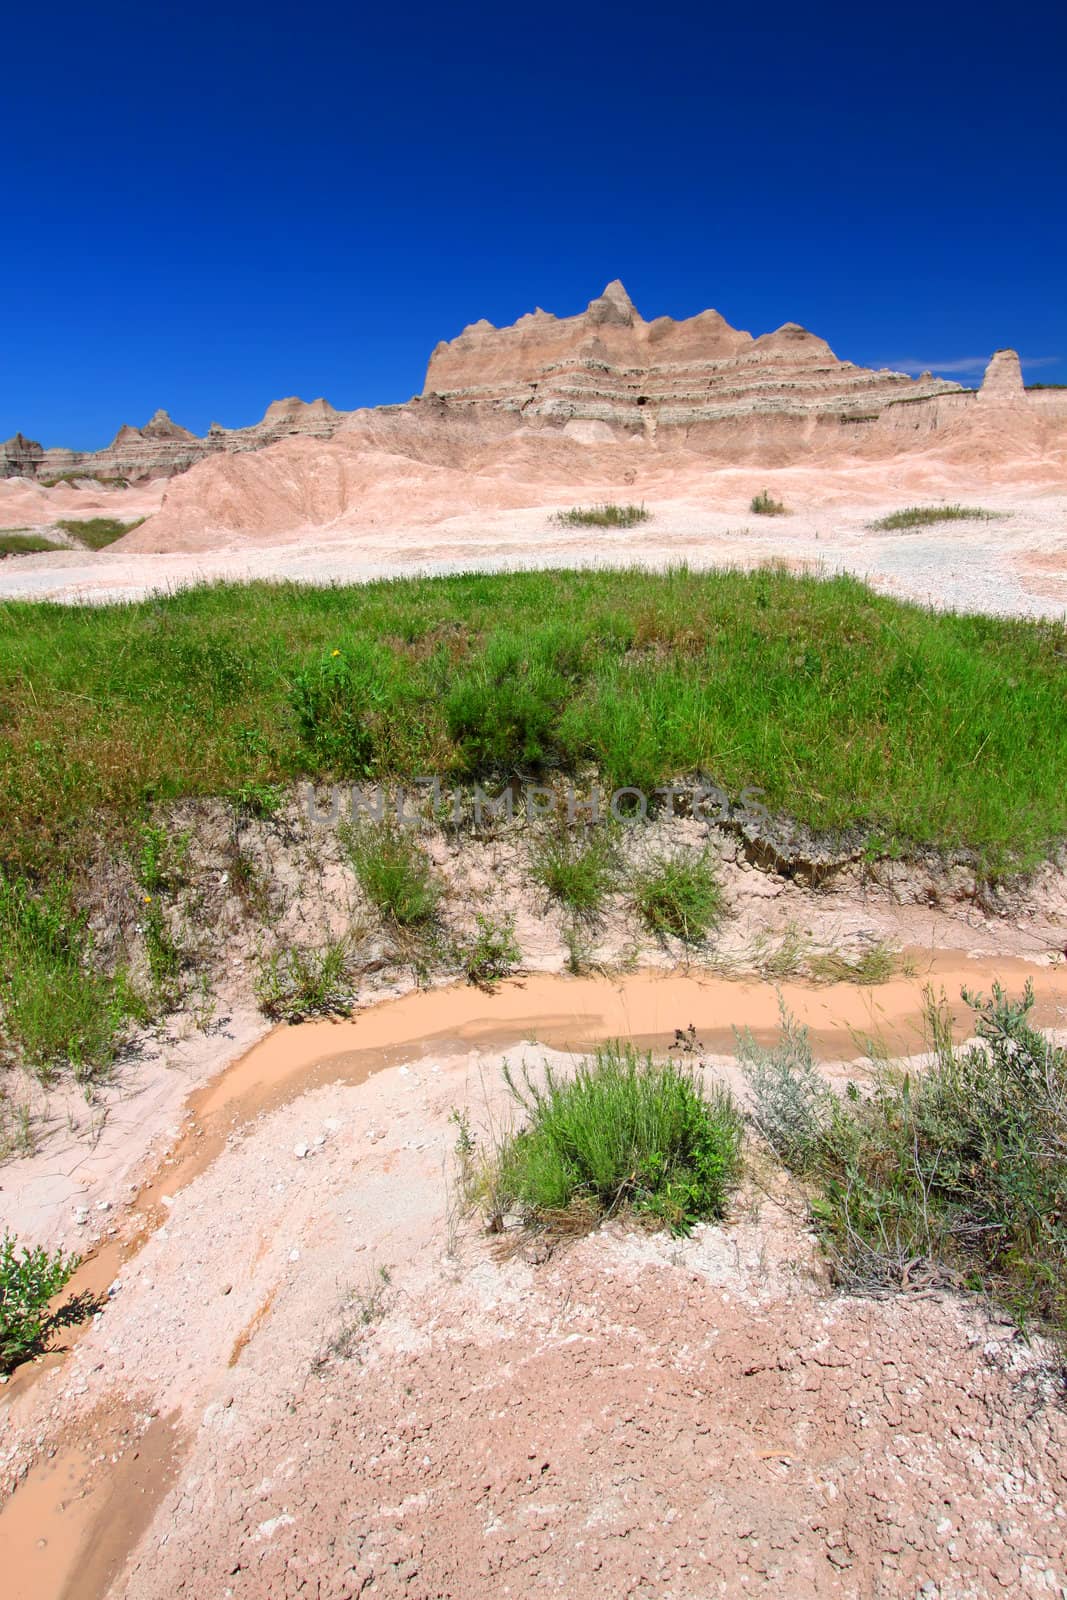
(876, 964)
(678, 893)
(923, 516)
(96, 532)
(56, 1009)
(16, 542)
(956, 1173)
(253, 798)
(605, 516)
(492, 953)
(625, 1133)
(762, 505)
(578, 870)
(505, 709)
(29, 1278)
(394, 872)
(292, 985)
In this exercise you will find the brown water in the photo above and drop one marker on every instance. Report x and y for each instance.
(66, 1531)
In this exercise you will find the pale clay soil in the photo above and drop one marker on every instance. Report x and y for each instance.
(1017, 564)
(257, 1413)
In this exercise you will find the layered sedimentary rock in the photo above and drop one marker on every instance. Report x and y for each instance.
(604, 375)
(609, 365)
(162, 449)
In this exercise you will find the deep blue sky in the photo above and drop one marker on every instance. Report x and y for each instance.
(206, 212)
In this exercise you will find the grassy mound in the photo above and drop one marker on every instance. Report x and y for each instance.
(623, 1133)
(847, 709)
(21, 542)
(97, 532)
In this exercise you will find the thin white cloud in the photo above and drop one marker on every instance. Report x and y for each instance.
(965, 364)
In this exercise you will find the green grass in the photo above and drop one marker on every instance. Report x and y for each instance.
(394, 872)
(96, 532)
(57, 1010)
(492, 952)
(848, 709)
(623, 1133)
(924, 516)
(955, 1174)
(29, 1278)
(678, 894)
(605, 516)
(292, 985)
(579, 869)
(762, 505)
(19, 542)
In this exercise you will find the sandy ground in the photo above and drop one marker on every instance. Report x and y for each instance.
(1015, 564)
(317, 1377)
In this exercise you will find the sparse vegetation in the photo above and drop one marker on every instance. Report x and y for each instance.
(56, 1009)
(876, 964)
(851, 711)
(394, 872)
(605, 516)
(29, 1279)
(96, 532)
(763, 505)
(924, 516)
(956, 1173)
(623, 1134)
(579, 869)
(19, 542)
(678, 894)
(493, 951)
(292, 985)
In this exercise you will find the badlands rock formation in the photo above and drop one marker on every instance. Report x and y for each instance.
(609, 365)
(161, 449)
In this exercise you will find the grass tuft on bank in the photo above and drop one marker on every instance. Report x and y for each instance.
(847, 709)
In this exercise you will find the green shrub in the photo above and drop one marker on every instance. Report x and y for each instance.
(336, 702)
(956, 1173)
(923, 516)
(293, 985)
(504, 710)
(56, 1009)
(678, 894)
(793, 1104)
(29, 1278)
(624, 1132)
(577, 870)
(605, 516)
(492, 953)
(394, 872)
(762, 505)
